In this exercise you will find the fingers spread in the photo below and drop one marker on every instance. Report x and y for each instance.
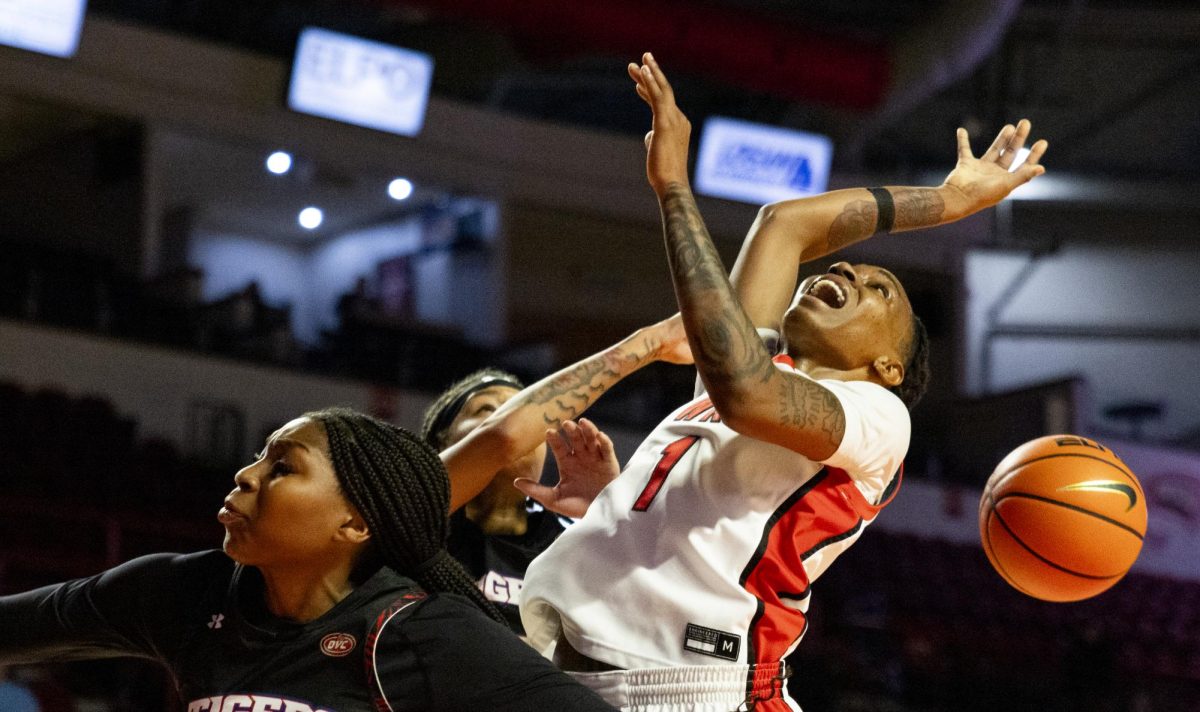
(1015, 142)
(1027, 172)
(1002, 139)
(559, 444)
(1036, 152)
(964, 145)
(660, 79)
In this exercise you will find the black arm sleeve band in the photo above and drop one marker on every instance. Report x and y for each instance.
(887, 209)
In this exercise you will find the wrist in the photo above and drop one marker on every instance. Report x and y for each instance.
(958, 204)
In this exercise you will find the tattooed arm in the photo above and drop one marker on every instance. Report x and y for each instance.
(790, 233)
(753, 397)
(520, 425)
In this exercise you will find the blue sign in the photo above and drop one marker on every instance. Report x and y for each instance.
(360, 82)
(755, 163)
(47, 26)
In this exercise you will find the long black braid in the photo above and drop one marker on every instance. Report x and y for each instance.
(400, 487)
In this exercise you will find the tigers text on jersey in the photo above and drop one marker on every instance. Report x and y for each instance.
(703, 549)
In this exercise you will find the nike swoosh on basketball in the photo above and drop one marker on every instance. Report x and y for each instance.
(1105, 486)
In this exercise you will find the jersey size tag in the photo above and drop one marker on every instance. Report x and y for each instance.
(709, 641)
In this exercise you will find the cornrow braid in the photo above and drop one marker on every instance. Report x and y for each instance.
(400, 486)
(916, 368)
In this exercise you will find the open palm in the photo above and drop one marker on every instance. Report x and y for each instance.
(987, 180)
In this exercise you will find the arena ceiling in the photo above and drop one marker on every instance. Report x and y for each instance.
(1113, 84)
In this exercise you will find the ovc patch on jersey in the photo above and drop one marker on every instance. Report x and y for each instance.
(709, 641)
(337, 645)
(249, 703)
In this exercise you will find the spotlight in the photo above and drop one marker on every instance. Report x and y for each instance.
(400, 188)
(311, 217)
(279, 162)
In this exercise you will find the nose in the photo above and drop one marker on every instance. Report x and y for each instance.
(245, 480)
(844, 269)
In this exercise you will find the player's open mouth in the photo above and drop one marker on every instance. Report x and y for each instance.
(829, 292)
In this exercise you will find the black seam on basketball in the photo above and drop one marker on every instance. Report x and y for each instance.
(1110, 463)
(995, 558)
(1077, 508)
(1046, 561)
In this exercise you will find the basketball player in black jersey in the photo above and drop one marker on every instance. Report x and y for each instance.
(334, 593)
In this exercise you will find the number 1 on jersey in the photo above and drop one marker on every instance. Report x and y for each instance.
(670, 456)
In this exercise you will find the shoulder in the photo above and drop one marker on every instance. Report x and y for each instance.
(171, 569)
(877, 430)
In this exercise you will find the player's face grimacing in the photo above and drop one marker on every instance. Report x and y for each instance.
(851, 317)
(287, 507)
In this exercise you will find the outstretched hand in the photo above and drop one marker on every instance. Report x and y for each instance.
(667, 142)
(587, 462)
(987, 180)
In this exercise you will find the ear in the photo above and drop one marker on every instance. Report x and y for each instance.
(889, 370)
(353, 529)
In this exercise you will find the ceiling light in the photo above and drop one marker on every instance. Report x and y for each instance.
(400, 188)
(311, 217)
(279, 162)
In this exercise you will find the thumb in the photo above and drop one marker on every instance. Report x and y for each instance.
(532, 488)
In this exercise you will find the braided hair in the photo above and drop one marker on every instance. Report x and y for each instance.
(916, 368)
(400, 487)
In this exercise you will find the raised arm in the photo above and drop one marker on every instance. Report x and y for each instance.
(792, 232)
(520, 424)
(753, 396)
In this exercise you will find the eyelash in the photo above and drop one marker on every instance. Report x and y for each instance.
(280, 468)
(883, 290)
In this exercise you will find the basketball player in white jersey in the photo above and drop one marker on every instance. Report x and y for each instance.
(687, 582)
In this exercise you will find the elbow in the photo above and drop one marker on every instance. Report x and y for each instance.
(738, 407)
(768, 213)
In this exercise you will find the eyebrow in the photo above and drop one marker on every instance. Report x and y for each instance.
(892, 277)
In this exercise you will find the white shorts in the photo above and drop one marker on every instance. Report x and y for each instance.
(693, 688)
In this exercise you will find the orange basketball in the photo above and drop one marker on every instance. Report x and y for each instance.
(1062, 518)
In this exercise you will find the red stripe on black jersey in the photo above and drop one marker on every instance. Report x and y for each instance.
(377, 694)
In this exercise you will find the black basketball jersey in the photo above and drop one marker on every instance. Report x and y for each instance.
(498, 562)
(386, 646)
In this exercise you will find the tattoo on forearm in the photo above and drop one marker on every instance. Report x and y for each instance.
(913, 208)
(588, 380)
(803, 403)
(857, 222)
(918, 207)
(725, 345)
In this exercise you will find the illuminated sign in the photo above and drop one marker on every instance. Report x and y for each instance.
(755, 163)
(47, 26)
(360, 82)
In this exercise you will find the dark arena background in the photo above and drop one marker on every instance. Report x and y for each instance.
(196, 244)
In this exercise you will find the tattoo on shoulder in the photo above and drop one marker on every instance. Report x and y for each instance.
(805, 404)
(918, 207)
(856, 222)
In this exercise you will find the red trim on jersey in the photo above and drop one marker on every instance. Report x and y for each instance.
(830, 507)
(374, 684)
(700, 408)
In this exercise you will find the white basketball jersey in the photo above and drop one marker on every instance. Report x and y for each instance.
(703, 549)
